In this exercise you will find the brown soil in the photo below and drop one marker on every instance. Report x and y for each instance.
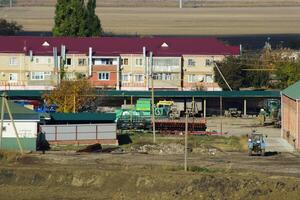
(222, 175)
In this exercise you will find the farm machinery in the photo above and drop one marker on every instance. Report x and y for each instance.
(167, 116)
(270, 112)
(256, 144)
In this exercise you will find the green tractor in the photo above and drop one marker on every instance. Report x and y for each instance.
(270, 113)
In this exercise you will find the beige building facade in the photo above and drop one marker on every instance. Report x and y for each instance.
(37, 63)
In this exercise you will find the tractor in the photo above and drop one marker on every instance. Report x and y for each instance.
(256, 144)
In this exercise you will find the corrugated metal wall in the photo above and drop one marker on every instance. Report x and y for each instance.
(77, 132)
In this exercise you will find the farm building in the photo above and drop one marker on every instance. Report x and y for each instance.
(81, 128)
(291, 114)
(26, 122)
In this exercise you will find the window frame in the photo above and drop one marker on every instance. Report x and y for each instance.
(70, 62)
(103, 72)
(142, 80)
(10, 75)
(127, 77)
(15, 61)
(191, 62)
(84, 61)
(42, 75)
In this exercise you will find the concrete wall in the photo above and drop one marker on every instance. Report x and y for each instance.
(291, 121)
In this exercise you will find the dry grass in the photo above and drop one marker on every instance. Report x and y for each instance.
(173, 21)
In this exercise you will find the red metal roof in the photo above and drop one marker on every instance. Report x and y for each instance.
(113, 46)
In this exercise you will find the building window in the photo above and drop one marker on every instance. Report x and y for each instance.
(209, 79)
(37, 76)
(139, 77)
(125, 77)
(192, 78)
(191, 62)
(69, 61)
(81, 62)
(13, 77)
(13, 61)
(37, 60)
(208, 62)
(125, 61)
(49, 60)
(104, 76)
(164, 76)
(138, 62)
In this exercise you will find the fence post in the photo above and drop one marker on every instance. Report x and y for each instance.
(55, 136)
(76, 133)
(96, 132)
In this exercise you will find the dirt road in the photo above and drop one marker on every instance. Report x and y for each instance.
(243, 126)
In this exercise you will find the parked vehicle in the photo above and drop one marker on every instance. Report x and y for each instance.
(256, 144)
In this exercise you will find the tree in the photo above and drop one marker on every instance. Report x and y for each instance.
(73, 18)
(244, 71)
(9, 28)
(231, 69)
(287, 73)
(72, 96)
(93, 22)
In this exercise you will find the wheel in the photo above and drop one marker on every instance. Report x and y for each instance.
(250, 152)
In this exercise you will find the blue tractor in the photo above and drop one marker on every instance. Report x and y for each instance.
(256, 144)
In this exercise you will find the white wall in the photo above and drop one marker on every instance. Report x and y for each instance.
(25, 129)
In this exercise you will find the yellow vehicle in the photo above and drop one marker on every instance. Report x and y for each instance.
(167, 108)
(164, 103)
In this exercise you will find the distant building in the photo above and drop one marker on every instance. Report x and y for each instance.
(291, 114)
(35, 63)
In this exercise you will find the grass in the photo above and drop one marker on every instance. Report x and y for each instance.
(221, 143)
(9, 156)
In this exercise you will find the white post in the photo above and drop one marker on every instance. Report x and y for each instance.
(2, 119)
(185, 141)
(90, 61)
(180, 3)
(245, 107)
(204, 108)
(10, 4)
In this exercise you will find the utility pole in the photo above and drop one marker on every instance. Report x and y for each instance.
(221, 114)
(2, 118)
(180, 3)
(152, 99)
(222, 75)
(186, 141)
(10, 3)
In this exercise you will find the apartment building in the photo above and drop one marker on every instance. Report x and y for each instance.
(111, 62)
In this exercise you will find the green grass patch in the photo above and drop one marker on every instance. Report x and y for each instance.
(222, 143)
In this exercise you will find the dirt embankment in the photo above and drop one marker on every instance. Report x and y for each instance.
(86, 176)
(148, 183)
